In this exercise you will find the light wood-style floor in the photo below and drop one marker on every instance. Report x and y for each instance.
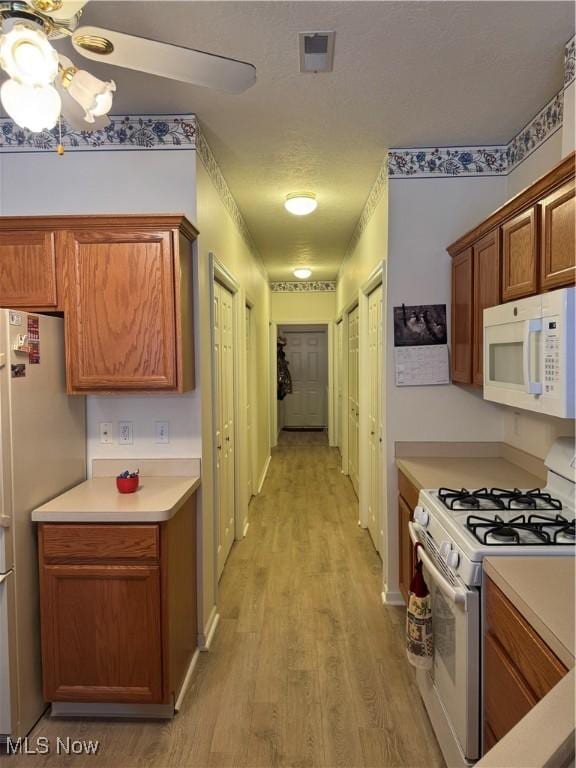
(307, 667)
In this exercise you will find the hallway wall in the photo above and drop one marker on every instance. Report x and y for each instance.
(220, 236)
(369, 244)
(303, 306)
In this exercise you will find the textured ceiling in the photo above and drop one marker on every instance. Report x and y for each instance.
(405, 74)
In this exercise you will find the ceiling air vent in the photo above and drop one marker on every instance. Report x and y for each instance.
(316, 51)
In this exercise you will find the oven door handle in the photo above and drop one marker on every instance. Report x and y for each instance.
(458, 596)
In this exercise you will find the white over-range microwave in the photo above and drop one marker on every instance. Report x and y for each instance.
(529, 353)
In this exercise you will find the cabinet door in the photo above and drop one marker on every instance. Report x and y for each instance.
(120, 311)
(507, 698)
(101, 637)
(487, 284)
(406, 552)
(28, 270)
(557, 240)
(519, 243)
(462, 317)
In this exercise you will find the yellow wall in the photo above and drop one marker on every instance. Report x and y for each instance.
(303, 306)
(370, 250)
(220, 236)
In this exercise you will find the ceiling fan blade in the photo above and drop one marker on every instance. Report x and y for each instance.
(164, 59)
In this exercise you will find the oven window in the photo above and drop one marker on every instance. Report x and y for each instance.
(506, 362)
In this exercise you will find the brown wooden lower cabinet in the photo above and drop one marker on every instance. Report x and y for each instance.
(118, 608)
(407, 500)
(519, 668)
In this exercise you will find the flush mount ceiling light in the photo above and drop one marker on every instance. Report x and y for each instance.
(301, 203)
(302, 273)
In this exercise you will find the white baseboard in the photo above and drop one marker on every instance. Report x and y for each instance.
(245, 531)
(187, 679)
(205, 639)
(264, 473)
(392, 598)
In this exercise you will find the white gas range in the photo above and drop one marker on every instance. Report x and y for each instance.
(458, 529)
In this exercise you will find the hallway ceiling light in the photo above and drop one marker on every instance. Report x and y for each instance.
(301, 203)
(302, 273)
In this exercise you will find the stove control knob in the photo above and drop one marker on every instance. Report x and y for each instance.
(421, 516)
(453, 559)
(445, 548)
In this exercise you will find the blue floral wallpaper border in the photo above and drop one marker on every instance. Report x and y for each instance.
(570, 62)
(131, 132)
(446, 162)
(289, 286)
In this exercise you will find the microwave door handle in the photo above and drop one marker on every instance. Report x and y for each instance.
(454, 595)
(534, 325)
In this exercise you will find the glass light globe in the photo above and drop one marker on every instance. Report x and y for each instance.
(301, 204)
(302, 273)
(27, 56)
(35, 108)
(93, 95)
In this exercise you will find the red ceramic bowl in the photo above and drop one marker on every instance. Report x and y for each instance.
(127, 484)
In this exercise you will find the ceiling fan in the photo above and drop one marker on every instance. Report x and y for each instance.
(44, 84)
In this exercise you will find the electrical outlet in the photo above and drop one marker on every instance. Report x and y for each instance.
(125, 434)
(106, 435)
(162, 431)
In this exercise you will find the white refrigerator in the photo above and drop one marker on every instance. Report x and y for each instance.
(42, 454)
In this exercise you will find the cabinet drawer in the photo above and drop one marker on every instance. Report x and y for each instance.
(507, 698)
(96, 543)
(407, 490)
(539, 667)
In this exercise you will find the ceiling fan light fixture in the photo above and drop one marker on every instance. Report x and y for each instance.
(27, 56)
(94, 95)
(301, 203)
(36, 108)
(302, 273)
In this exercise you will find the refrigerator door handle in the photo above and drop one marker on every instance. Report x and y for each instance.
(4, 577)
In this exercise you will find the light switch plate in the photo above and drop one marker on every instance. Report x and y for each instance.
(162, 430)
(106, 435)
(125, 433)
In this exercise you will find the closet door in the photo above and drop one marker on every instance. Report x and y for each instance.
(374, 416)
(224, 389)
(353, 411)
(249, 404)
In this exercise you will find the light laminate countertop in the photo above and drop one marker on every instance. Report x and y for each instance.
(542, 589)
(98, 501)
(467, 472)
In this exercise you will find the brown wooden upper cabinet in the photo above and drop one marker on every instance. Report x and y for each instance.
(28, 270)
(462, 319)
(526, 246)
(487, 293)
(557, 239)
(519, 251)
(125, 286)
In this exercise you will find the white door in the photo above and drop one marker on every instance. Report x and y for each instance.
(224, 389)
(353, 387)
(338, 384)
(374, 409)
(249, 405)
(307, 356)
